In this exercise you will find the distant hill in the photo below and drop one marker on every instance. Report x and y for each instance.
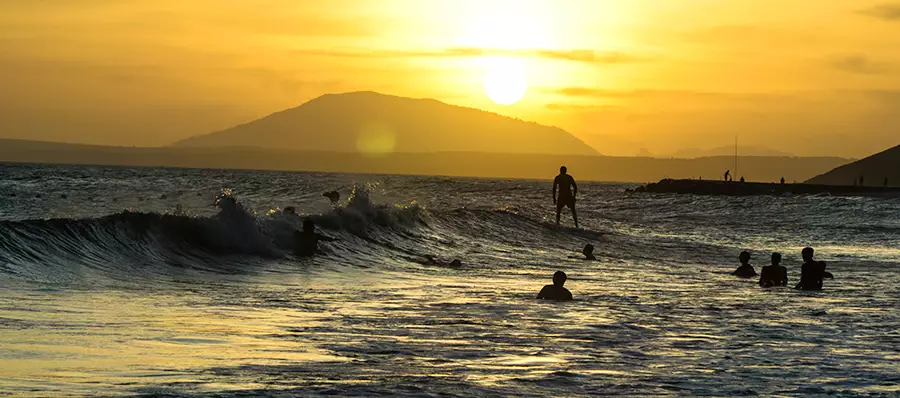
(874, 169)
(691, 153)
(369, 122)
(468, 164)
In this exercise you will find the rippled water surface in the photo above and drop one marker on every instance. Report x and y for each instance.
(106, 290)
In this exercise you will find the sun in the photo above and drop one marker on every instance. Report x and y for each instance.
(505, 80)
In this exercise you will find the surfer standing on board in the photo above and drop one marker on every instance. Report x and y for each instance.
(567, 191)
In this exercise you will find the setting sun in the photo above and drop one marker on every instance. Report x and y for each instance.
(505, 80)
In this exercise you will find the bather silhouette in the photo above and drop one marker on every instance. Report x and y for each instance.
(307, 241)
(567, 192)
(812, 272)
(556, 291)
(745, 270)
(775, 274)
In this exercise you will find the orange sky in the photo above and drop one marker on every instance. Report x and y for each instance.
(801, 76)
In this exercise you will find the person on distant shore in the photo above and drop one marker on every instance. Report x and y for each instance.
(742, 179)
(556, 291)
(812, 272)
(307, 241)
(745, 270)
(775, 274)
(782, 180)
(567, 192)
(727, 175)
(862, 181)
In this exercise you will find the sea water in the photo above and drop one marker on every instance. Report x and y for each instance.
(150, 281)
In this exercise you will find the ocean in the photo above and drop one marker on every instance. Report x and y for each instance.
(120, 281)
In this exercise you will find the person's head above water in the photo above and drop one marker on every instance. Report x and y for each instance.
(563, 170)
(290, 210)
(808, 254)
(309, 225)
(776, 258)
(745, 257)
(588, 249)
(559, 278)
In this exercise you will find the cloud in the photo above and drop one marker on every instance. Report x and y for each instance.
(599, 93)
(584, 56)
(589, 92)
(578, 108)
(887, 11)
(592, 92)
(857, 63)
(450, 52)
(751, 35)
(885, 97)
(611, 57)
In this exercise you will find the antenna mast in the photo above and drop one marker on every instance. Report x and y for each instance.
(735, 154)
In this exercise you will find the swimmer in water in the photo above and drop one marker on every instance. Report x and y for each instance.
(289, 211)
(588, 252)
(307, 241)
(812, 272)
(556, 291)
(745, 270)
(430, 260)
(775, 274)
(333, 196)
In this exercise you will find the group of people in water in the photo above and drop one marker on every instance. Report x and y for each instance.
(564, 192)
(812, 272)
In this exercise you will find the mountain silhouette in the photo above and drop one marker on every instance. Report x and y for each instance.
(693, 153)
(874, 169)
(368, 122)
(463, 164)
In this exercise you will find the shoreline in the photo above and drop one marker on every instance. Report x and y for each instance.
(722, 188)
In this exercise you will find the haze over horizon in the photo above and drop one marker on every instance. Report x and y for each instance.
(626, 77)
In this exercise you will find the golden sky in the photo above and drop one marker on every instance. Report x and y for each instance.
(809, 77)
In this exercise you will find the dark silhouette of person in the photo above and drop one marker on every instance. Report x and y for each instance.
(782, 180)
(775, 274)
(862, 181)
(745, 270)
(307, 241)
(556, 291)
(727, 175)
(567, 192)
(430, 260)
(333, 196)
(588, 252)
(812, 272)
(742, 179)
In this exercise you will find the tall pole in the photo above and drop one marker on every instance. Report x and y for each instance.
(735, 154)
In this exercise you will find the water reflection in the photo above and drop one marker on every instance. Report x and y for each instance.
(370, 331)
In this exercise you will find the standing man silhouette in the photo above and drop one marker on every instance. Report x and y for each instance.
(567, 191)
